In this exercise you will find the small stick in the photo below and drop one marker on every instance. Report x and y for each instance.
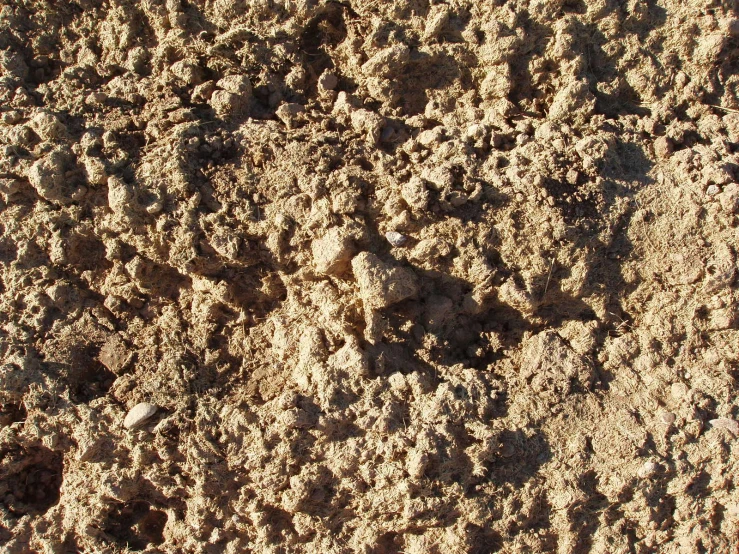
(546, 287)
(732, 110)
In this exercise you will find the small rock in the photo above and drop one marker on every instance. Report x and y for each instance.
(395, 238)
(289, 113)
(437, 18)
(729, 198)
(236, 84)
(138, 415)
(663, 147)
(387, 61)
(227, 103)
(382, 284)
(678, 390)
(368, 122)
(48, 126)
(188, 72)
(648, 470)
(155, 207)
(203, 92)
(668, 418)
(165, 425)
(333, 252)
(327, 81)
(731, 425)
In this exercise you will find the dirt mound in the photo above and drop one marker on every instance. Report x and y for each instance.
(380, 277)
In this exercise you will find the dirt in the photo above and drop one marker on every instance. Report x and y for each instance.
(405, 276)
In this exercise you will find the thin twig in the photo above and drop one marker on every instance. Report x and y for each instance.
(546, 287)
(732, 110)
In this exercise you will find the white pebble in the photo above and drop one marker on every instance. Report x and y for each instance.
(731, 425)
(649, 469)
(395, 238)
(139, 414)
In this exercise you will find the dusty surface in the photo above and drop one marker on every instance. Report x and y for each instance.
(541, 357)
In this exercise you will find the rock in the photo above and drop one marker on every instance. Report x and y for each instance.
(289, 113)
(47, 126)
(227, 103)
(729, 198)
(415, 194)
(668, 418)
(47, 176)
(730, 425)
(236, 84)
(139, 414)
(188, 72)
(663, 147)
(395, 238)
(648, 470)
(435, 21)
(332, 252)
(327, 81)
(381, 284)
(387, 61)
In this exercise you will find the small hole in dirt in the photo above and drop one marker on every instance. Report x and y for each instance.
(136, 525)
(365, 164)
(10, 413)
(33, 479)
(387, 544)
(94, 382)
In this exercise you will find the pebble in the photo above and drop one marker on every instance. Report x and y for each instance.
(395, 238)
(139, 414)
(668, 418)
(327, 81)
(731, 425)
(649, 469)
(678, 391)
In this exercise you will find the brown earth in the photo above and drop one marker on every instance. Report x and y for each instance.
(406, 276)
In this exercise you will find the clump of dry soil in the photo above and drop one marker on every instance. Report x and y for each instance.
(409, 276)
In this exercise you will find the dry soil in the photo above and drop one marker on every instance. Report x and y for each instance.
(399, 277)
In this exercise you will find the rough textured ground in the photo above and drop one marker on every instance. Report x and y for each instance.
(195, 197)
